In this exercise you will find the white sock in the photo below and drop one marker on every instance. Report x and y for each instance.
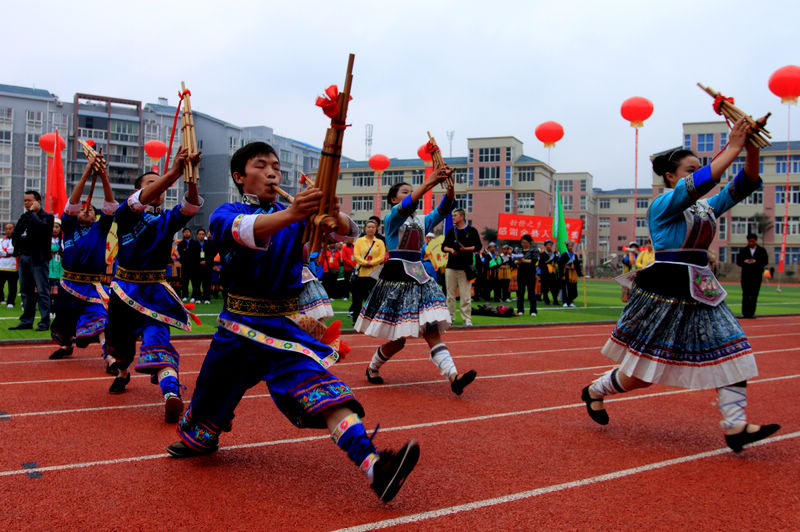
(732, 402)
(441, 357)
(607, 384)
(378, 360)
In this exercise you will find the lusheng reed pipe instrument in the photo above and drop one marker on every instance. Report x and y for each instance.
(724, 106)
(335, 106)
(98, 166)
(438, 160)
(188, 138)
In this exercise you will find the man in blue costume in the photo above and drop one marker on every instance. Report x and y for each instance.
(141, 302)
(260, 243)
(81, 314)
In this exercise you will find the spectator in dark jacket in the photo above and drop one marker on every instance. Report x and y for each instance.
(752, 259)
(31, 240)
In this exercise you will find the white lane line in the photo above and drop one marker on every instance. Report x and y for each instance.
(429, 424)
(398, 360)
(553, 488)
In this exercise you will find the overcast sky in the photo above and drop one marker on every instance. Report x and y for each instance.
(479, 68)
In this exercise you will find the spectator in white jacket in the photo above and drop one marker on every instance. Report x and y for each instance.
(8, 267)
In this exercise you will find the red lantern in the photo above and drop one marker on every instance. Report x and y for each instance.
(636, 110)
(155, 149)
(424, 154)
(785, 83)
(379, 162)
(549, 133)
(47, 141)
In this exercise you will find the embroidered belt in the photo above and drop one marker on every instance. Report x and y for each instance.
(250, 306)
(241, 329)
(83, 277)
(140, 276)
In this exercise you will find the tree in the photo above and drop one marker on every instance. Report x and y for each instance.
(763, 224)
(489, 235)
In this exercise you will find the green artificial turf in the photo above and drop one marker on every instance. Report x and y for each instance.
(602, 303)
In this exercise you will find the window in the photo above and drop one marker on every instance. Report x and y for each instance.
(642, 203)
(417, 177)
(460, 176)
(583, 185)
(566, 203)
(641, 221)
(705, 142)
(32, 140)
(583, 203)
(605, 204)
(390, 177)
(756, 198)
(687, 142)
(489, 155)
(470, 156)
(509, 156)
(33, 162)
(622, 238)
(741, 225)
(489, 176)
(33, 118)
(792, 255)
(5, 138)
(124, 131)
(362, 203)
(363, 179)
(794, 225)
(464, 201)
(723, 140)
(509, 203)
(6, 115)
(508, 176)
(526, 174)
(604, 222)
(622, 200)
(526, 200)
(285, 155)
(738, 165)
(622, 219)
(722, 229)
(794, 194)
(722, 255)
(780, 164)
(471, 177)
(151, 129)
(565, 186)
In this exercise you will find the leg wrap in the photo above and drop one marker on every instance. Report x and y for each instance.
(351, 437)
(732, 402)
(168, 380)
(441, 357)
(607, 384)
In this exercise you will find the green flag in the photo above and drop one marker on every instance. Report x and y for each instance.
(559, 225)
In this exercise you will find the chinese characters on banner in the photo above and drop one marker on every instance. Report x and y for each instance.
(513, 226)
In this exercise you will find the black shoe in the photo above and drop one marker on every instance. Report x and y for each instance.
(737, 441)
(181, 450)
(599, 416)
(118, 386)
(462, 381)
(43, 327)
(374, 377)
(21, 326)
(173, 408)
(61, 353)
(111, 369)
(392, 468)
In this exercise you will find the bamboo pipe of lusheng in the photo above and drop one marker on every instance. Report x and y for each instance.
(188, 138)
(438, 160)
(733, 113)
(98, 166)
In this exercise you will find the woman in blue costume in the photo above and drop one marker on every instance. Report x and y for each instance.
(81, 304)
(407, 302)
(261, 246)
(141, 301)
(676, 329)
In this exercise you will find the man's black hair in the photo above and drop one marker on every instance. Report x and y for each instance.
(752, 235)
(35, 194)
(244, 154)
(138, 183)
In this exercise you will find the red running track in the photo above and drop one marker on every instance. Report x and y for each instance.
(515, 452)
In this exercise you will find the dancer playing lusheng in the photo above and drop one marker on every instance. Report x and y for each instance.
(81, 313)
(675, 328)
(407, 302)
(141, 302)
(258, 340)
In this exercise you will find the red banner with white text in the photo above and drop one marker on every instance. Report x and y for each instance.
(513, 226)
